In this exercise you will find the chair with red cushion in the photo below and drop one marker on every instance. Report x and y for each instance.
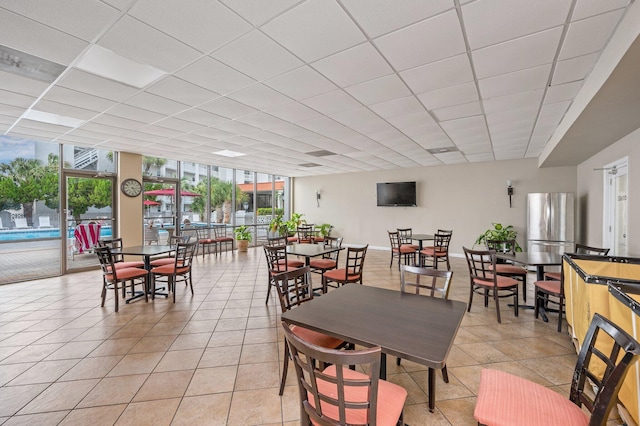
(113, 277)
(505, 399)
(509, 269)
(439, 251)
(404, 251)
(295, 288)
(277, 263)
(328, 261)
(483, 280)
(173, 241)
(550, 291)
(118, 259)
(222, 239)
(179, 270)
(351, 273)
(205, 241)
(405, 236)
(338, 395)
(580, 249)
(306, 234)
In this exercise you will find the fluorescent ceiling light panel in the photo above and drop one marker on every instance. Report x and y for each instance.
(47, 117)
(227, 153)
(107, 64)
(27, 65)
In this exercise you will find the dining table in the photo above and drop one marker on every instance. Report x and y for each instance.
(420, 238)
(146, 252)
(414, 327)
(310, 250)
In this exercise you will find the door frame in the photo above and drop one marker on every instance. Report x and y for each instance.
(621, 166)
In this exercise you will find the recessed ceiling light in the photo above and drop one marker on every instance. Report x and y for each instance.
(47, 117)
(310, 165)
(323, 153)
(227, 153)
(107, 64)
(442, 150)
(28, 65)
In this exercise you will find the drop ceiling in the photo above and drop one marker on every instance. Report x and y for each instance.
(378, 84)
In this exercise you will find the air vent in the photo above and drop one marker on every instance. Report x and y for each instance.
(322, 153)
(442, 150)
(27, 65)
(309, 165)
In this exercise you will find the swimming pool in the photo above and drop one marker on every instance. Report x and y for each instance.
(32, 234)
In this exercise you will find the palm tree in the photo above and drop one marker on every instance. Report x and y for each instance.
(149, 162)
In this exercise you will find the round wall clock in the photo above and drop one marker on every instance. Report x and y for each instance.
(131, 187)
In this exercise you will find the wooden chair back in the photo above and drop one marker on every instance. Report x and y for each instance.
(277, 241)
(441, 242)
(294, 287)
(481, 265)
(276, 258)
(176, 239)
(405, 236)
(184, 255)
(394, 240)
(332, 242)
(305, 234)
(504, 246)
(429, 281)
(321, 393)
(113, 244)
(617, 354)
(107, 262)
(355, 260)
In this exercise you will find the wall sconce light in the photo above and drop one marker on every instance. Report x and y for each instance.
(318, 197)
(509, 191)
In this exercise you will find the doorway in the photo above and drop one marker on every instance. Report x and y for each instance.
(616, 207)
(88, 216)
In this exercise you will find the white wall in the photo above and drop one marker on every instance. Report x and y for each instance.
(466, 198)
(590, 192)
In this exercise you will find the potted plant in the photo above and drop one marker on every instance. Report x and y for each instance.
(294, 222)
(499, 233)
(324, 229)
(243, 237)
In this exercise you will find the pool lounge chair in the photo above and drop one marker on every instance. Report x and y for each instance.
(44, 222)
(21, 223)
(2, 227)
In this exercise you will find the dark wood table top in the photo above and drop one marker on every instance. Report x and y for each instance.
(310, 250)
(417, 328)
(533, 258)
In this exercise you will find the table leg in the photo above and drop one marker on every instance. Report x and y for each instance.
(432, 390)
(383, 366)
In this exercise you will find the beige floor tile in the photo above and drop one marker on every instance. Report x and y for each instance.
(15, 397)
(204, 410)
(10, 371)
(212, 380)
(171, 384)
(260, 335)
(199, 327)
(255, 407)
(60, 396)
(75, 350)
(44, 372)
(217, 357)
(42, 419)
(153, 344)
(92, 368)
(136, 364)
(115, 347)
(226, 338)
(32, 353)
(265, 352)
(114, 390)
(190, 341)
(180, 360)
(94, 416)
(258, 376)
(151, 413)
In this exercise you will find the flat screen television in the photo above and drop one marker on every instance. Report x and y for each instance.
(396, 194)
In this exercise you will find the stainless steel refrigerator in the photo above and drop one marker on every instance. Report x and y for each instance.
(550, 222)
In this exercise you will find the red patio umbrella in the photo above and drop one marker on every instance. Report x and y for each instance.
(151, 203)
(171, 192)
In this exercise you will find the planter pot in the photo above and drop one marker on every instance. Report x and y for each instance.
(243, 245)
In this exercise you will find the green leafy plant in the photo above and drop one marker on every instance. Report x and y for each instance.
(294, 222)
(324, 229)
(499, 233)
(242, 233)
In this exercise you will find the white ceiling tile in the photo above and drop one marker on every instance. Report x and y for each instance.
(113, 121)
(257, 11)
(227, 80)
(515, 82)
(514, 55)
(133, 39)
(399, 106)
(137, 114)
(587, 8)
(438, 75)
(201, 117)
(94, 85)
(378, 17)
(257, 56)
(299, 30)
(355, 65)
(328, 127)
(301, 83)
(489, 22)
(553, 113)
(260, 97)
(262, 120)
(216, 25)
(26, 35)
(102, 129)
(458, 111)
(361, 120)
(228, 108)
(574, 69)
(449, 96)
(156, 103)
(64, 110)
(181, 91)
(405, 48)
(531, 99)
(293, 112)
(18, 84)
(407, 121)
(80, 18)
(562, 92)
(16, 99)
(589, 35)
(331, 102)
(379, 90)
(179, 125)
(78, 98)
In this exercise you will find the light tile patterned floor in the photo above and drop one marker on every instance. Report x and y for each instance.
(215, 358)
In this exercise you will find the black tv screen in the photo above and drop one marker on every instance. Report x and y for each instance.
(396, 194)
